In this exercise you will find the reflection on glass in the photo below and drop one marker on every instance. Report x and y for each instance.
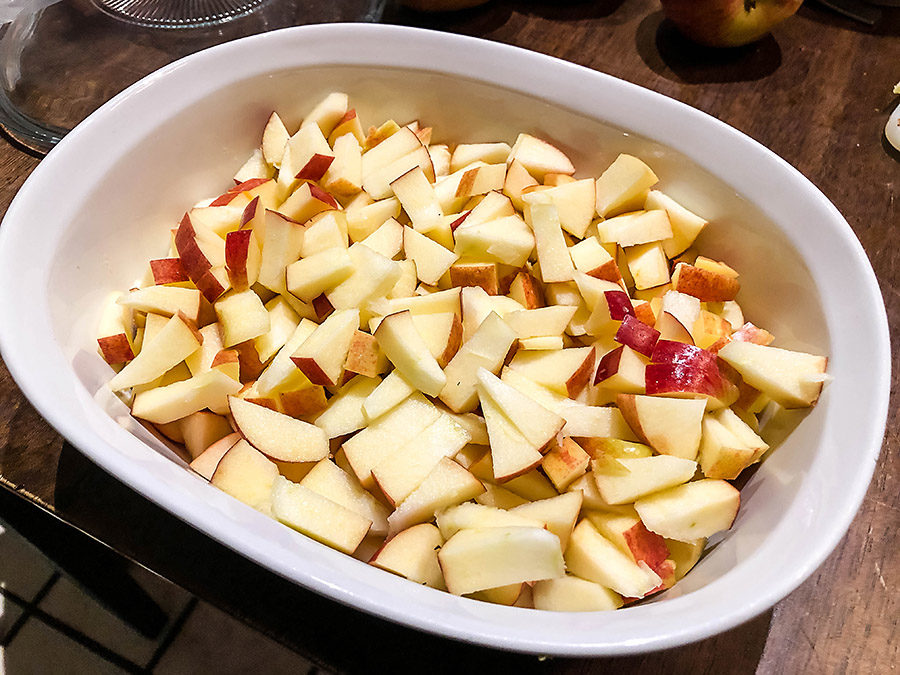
(62, 59)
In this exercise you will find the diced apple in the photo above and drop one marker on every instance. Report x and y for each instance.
(432, 260)
(392, 391)
(363, 220)
(638, 227)
(466, 153)
(567, 371)
(165, 300)
(309, 277)
(399, 424)
(592, 556)
(373, 275)
(318, 517)
(792, 379)
(627, 532)
(480, 558)
(526, 290)
(332, 482)
(281, 244)
(328, 112)
(177, 340)
(728, 446)
(321, 356)
(242, 316)
(703, 284)
(622, 481)
(487, 349)
(573, 594)
(512, 453)
(621, 370)
(468, 516)
(412, 554)
(406, 467)
(685, 554)
(535, 422)
(207, 461)
(685, 224)
(506, 240)
(277, 435)
(344, 414)
(564, 463)
(446, 485)
(416, 195)
(247, 475)
(275, 137)
(404, 347)
(539, 157)
(626, 179)
(671, 425)
(387, 240)
(201, 429)
(558, 513)
(648, 265)
(542, 216)
(691, 511)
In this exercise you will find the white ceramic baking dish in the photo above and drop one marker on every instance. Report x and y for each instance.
(100, 204)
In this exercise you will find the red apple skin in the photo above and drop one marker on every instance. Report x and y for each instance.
(459, 221)
(323, 196)
(115, 349)
(315, 168)
(322, 307)
(195, 263)
(250, 212)
(248, 357)
(728, 23)
(609, 365)
(237, 250)
(677, 378)
(671, 351)
(619, 305)
(647, 546)
(637, 335)
(167, 271)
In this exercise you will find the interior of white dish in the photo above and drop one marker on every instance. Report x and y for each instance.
(137, 165)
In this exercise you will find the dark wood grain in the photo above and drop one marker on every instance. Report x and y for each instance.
(817, 92)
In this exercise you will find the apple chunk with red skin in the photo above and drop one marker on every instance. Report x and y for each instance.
(679, 369)
(636, 334)
(242, 258)
(167, 271)
(321, 356)
(201, 258)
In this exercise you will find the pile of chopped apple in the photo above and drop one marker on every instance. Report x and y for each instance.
(458, 363)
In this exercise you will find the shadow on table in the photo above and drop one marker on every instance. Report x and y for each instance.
(668, 53)
(331, 635)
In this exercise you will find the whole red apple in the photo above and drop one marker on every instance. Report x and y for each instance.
(728, 23)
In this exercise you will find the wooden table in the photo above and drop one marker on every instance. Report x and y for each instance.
(818, 93)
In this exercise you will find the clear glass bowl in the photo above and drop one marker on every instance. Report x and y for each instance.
(62, 59)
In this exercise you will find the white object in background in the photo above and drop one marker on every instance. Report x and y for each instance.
(892, 128)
